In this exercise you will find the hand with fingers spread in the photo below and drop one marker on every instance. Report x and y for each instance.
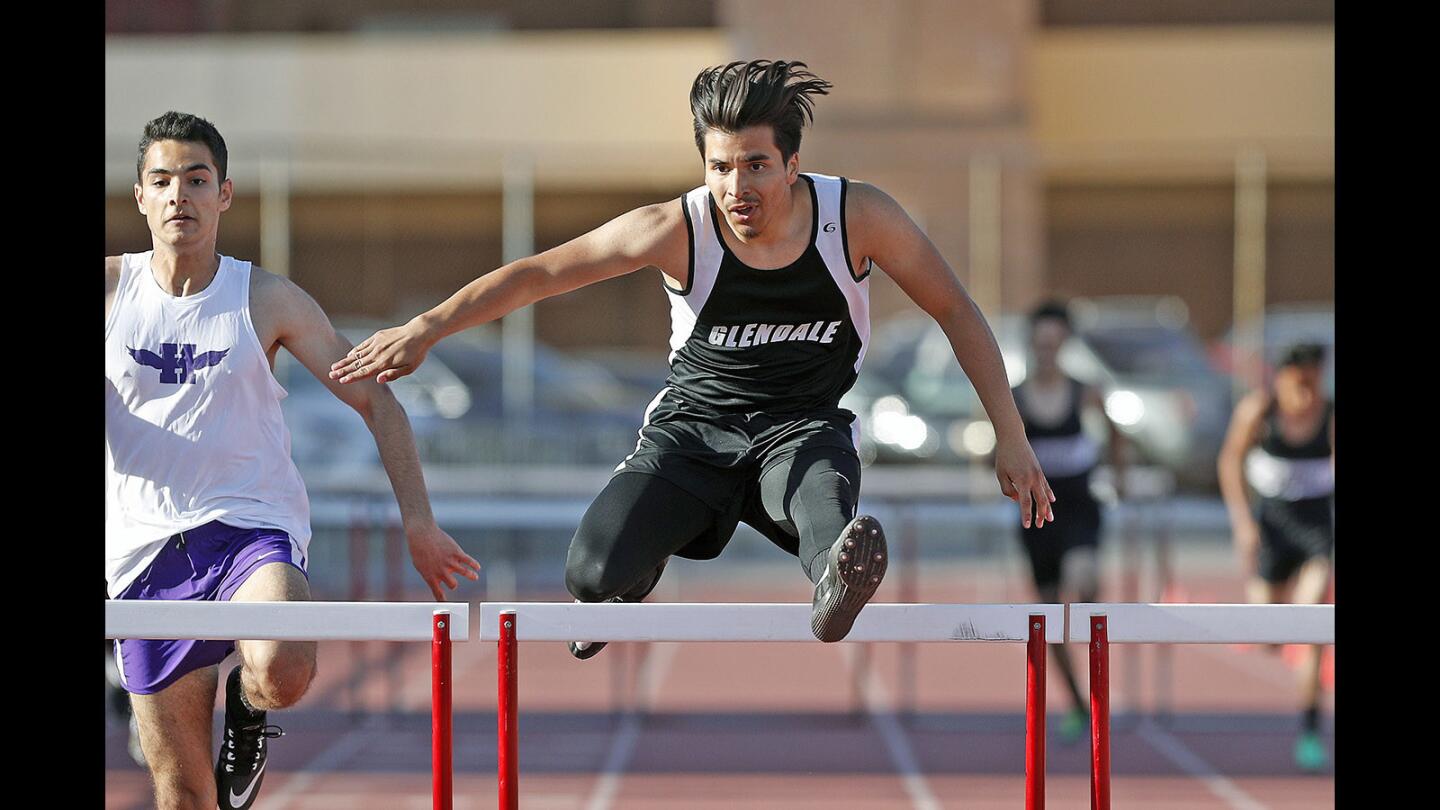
(385, 356)
(439, 558)
(1022, 481)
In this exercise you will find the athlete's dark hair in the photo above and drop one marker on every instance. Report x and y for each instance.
(1051, 309)
(178, 126)
(731, 97)
(1303, 354)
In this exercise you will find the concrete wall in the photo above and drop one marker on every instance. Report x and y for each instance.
(595, 110)
(1144, 104)
(1116, 146)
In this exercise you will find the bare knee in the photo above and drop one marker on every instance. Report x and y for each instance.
(278, 677)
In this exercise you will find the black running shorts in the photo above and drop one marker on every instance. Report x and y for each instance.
(1292, 532)
(720, 458)
(1076, 525)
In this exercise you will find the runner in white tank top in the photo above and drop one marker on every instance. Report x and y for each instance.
(202, 499)
(193, 426)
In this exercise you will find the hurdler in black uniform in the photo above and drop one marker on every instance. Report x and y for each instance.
(1068, 457)
(749, 425)
(1286, 535)
(1064, 553)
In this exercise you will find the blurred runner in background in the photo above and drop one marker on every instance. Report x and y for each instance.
(1282, 444)
(1064, 556)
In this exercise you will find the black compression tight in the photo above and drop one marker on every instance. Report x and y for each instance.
(638, 520)
(635, 522)
(807, 501)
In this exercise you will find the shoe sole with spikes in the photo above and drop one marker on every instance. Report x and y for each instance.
(855, 567)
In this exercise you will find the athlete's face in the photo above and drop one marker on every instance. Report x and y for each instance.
(1046, 338)
(1296, 387)
(747, 179)
(181, 194)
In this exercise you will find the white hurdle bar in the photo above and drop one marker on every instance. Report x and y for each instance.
(282, 621)
(1098, 624)
(1207, 624)
(513, 622)
(759, 622)
(440, 623)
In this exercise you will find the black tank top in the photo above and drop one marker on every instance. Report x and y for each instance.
(781, 341)
(1272, 440)
(1062, 449)
(1280, 471)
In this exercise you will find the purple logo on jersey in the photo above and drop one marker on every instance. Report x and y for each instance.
(177, 362)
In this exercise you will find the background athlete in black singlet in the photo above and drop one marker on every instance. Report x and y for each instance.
(1064, 556)
(766, 271)
(1282, 444)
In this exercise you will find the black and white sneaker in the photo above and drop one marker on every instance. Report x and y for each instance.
(583, 650)
(240, 768)
(853, 571)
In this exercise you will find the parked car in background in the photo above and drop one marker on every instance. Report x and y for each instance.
(581, 415)
(916, 404)
(326, 433)
(1285, 326)
(913, 401)
(1159, 386)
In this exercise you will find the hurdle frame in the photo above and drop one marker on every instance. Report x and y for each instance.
(1100, 624)
(317, 621)
(1036, 625)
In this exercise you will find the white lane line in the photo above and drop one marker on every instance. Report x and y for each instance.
(327, 761)
(1191, 763)
(622, 745)
(881, 708)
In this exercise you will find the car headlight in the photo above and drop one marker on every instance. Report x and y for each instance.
(903, 430)
(975, 438)
(452, 401)
(1125, 408)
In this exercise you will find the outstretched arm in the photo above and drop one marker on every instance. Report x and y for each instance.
(1243, 433)
(881, 231)
(652, 235)
(295, 321)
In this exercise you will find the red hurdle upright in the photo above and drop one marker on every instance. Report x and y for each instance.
(1099, 713)
(508, 714)
(1035, 714)
(507, 705)
(442, 735)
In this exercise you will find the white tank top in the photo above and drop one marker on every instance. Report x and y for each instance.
(193, 428)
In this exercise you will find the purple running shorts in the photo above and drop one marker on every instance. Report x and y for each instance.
(208, 562)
